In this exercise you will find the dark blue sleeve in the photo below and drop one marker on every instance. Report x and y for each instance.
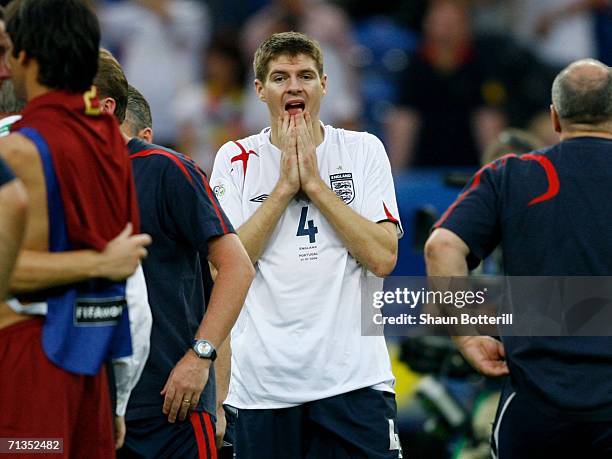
(6, 175)
(196, 214)
(475, 214)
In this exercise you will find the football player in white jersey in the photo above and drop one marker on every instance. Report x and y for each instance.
(316, 211)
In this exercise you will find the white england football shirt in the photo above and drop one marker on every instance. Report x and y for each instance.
(298, 337)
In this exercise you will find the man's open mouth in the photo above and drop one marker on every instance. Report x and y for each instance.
(295, 107)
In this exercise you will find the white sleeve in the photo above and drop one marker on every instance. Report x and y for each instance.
(226, 182)
(128, 369)
(379, 203)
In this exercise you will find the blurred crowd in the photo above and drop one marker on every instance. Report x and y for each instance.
(437, 80)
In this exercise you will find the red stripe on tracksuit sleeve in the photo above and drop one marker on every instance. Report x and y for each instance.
(176, 161)
(465, 194)
(185, 172)
(549, 169)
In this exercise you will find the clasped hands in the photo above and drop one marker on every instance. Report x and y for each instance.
(298, 143)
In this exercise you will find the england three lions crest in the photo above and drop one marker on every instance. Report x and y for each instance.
(342, 185)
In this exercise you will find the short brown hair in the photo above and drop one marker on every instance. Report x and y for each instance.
(138, 114)
(286, 43)
(111, 82)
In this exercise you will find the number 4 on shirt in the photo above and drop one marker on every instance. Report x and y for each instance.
(306, 229)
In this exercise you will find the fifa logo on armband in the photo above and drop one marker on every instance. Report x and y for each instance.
(95, 312)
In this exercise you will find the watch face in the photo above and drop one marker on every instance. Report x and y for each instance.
(203, 348)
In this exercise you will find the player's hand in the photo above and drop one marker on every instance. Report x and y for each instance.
(121, 256)
(485, 354)
(289, 180)
(184, 386)
(119, 431)
(220, 427)
(310, 179)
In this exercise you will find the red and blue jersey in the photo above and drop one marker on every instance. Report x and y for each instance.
(551, 214)
(180, 212)
(90, 198)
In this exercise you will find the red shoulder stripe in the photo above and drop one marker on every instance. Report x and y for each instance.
(466, 193)
(156, 151)
(551, 176)
(183, 168)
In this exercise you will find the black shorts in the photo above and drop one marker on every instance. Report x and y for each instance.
(358, 424)
(157, 438)
(525, 430)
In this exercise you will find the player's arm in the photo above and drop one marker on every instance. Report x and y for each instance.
(372, 244)
(234, 276)
(446, 256)
(233, 279)
(36, 270)
(197, 219)
(13, 213)
(223, 371)
(255, 232)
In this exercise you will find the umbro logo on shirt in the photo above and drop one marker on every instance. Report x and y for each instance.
(260, 198)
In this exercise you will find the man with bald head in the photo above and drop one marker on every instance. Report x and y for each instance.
(548, 211)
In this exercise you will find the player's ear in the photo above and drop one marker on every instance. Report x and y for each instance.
(108, 105)
(324, 83)
(146, 134)
(259, 89)
(554, 118)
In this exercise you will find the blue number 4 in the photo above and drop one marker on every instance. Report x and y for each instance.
(304, 230)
